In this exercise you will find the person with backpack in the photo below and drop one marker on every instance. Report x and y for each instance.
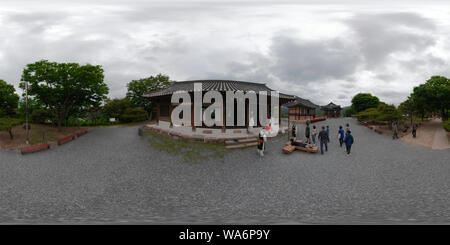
(348, 141)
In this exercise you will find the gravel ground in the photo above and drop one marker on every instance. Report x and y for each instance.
(113, 175)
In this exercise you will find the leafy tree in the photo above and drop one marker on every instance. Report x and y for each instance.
(420, 99)
(42, 116)
(134, 115)
(438, 94)
(363, 101)
(116, 107)
(33, 104)
(65, 88)
(7, 124)
(8, 99)
(407, 107)
(349, 112)
(137, 88)
(387, 113)
(370, 114)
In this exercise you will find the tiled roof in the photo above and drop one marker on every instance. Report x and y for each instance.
(302, 102)
(331, 106)
(216, 85)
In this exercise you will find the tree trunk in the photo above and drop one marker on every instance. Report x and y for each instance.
(10, 134)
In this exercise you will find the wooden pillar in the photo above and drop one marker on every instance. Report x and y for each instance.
(192, 117)
(224, 119)
(170, 115)
(157, 113)
(247, 114)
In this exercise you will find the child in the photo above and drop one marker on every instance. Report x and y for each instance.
(341, 135)
(314, 133)
(348, 141)
(261, 143)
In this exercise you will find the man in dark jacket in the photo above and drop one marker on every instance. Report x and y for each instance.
(323, 138)
(414, 130)
(348, 141)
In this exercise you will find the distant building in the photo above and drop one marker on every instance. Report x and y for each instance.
(332, 110)
(162, 98)
(301, 110)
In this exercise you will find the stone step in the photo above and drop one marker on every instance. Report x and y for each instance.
(239, 141)
(243, 145)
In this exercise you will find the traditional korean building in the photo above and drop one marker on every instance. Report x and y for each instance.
(331, 110)
(301, 110)
(162, 98)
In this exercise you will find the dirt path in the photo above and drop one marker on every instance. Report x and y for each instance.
(430, 135)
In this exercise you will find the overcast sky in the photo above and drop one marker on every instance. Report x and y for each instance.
(318, 50)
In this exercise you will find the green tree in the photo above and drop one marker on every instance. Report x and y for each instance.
(33, 104)
(7, 124)
(137, 88)
(438, 94)
(363, 101)
(388, 113)
(407, 107)
(64, 88)
(349, 112)
(134, 115)
(9, 100)
(116, 107)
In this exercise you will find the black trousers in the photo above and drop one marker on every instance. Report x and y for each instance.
(324, 142)
(341, 141)
(348, 147)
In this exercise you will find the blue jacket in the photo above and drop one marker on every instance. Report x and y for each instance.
(341, 134)
(348, 140)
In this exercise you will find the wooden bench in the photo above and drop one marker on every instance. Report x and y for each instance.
(65, 139)
(289, 148)
(34, 148)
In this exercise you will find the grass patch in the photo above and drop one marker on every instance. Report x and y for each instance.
(446, 125)
(192, 152)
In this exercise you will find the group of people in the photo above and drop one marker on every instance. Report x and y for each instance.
(395, 130)
(324, 136)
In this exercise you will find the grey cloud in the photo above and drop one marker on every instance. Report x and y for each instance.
(298, 60)
(379, 35)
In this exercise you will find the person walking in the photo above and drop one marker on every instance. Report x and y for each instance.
(314, 133)
(307, 133)
(395, 129)
(348, 141)
(341, 135)
(323, 139)
(328, 133)
(414, 130)
(347, 127)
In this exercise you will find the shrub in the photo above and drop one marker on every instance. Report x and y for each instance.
(42, 116)
(7, 124)
(134, 115)
(446, 125)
